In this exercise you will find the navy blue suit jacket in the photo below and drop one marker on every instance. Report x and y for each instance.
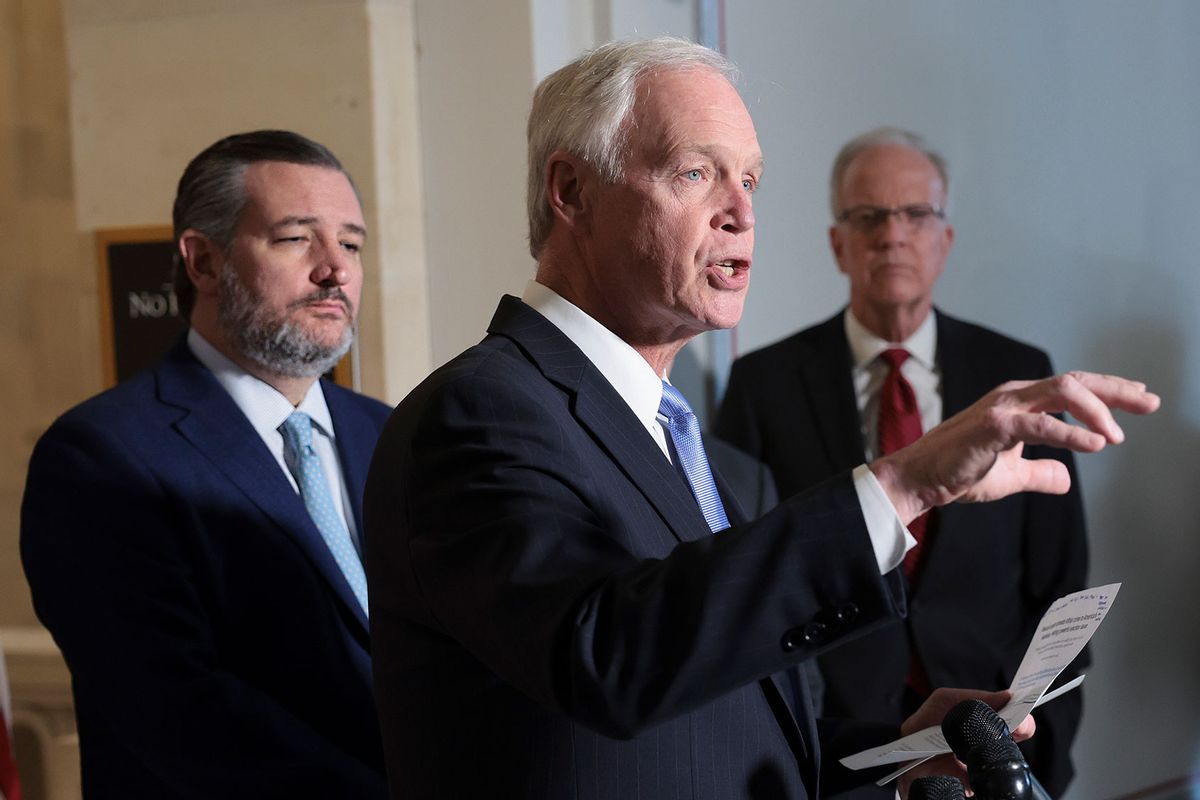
(551, 617)
(990, 570)
(215, 649)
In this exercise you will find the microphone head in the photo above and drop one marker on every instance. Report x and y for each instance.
(997, 751)
(998, 771)
(970, 724)
(936, 787)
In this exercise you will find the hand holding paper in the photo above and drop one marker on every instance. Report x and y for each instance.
(1062, 633)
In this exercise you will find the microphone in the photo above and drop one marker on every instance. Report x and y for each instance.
(970, 724)
(998, 772)
(980, 739)
(936, 787)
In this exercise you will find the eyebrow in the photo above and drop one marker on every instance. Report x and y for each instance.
(713, 153)
(294, 220)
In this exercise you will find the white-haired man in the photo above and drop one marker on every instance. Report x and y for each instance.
(564, 602)
(821, 401)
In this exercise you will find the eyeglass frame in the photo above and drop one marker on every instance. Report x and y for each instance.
(904, 212)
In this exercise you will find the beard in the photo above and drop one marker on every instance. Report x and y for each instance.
(274, 341)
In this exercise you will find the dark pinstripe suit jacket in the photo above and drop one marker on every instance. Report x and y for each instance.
(551, 617)
(992, 568)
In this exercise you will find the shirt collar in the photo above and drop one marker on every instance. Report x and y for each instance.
(865, 346)
(621, 365)
(262, 403)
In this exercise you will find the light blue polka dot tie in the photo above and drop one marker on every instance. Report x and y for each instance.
(305, 465)
(685, 434)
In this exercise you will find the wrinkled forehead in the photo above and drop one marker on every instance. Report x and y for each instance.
(279, 190)
(694, 106)
(893, 169)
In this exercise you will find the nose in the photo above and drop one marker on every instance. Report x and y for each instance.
(334, 265)
(736, 211)
(892, 231)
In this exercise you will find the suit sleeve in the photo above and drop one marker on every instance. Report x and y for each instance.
(117, 586)
(519, 538)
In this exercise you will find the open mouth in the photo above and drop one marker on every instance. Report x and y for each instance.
(731, 266)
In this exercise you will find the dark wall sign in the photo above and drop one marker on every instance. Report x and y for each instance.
(140, 312)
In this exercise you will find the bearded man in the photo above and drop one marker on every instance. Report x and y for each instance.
(191, 537)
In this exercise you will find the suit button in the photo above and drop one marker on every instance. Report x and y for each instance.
(791, 639)
(846, 613)
(814, 632)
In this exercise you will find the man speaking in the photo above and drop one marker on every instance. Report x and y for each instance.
(564, 601)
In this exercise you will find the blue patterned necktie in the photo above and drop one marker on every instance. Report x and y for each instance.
(685, 435)
(305, 465)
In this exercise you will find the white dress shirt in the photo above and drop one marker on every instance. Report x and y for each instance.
(634, 380)
(267, 408)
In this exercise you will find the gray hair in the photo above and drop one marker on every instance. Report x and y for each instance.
(878, 138)
(583, 107)
(212, 190)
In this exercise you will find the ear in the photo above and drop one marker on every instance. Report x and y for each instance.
(202, 259)
(945, 242)
(568, 184)
(836, 244)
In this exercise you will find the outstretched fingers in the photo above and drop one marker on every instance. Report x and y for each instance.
(1089, 398)
(1043, 428)
(1120, 393)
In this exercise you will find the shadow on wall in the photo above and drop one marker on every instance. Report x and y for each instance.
(1144, 517)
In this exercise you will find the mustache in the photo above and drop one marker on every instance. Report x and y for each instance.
(324, 294)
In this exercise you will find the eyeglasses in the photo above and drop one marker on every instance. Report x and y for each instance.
(869, 218)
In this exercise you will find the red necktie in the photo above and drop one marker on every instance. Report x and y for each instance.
(10, 786)
(900, 426)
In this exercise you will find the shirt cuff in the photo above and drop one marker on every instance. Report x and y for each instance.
(889, 536)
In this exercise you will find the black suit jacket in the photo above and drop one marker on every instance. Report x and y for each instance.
(551, 617)
(991, 569)
(215, 649)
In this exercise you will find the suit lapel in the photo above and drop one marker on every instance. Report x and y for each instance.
(607, 417)
(215, 426)
(604, 415)
(825, 371)
(960, 380)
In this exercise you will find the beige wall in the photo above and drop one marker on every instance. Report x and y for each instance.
(476, 83)
(49, 352)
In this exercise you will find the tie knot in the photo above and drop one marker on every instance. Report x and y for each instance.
(673, 404)
(297, 428)
(895, 357)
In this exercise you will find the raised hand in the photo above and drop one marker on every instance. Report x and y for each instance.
(976, 455)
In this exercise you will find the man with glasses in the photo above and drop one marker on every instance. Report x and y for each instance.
(870, 380)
